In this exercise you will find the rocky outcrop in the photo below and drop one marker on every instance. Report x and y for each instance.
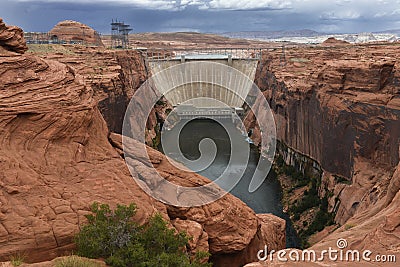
(331, 41)
(11, 40)
(114, 77)
(55, 159)
(376, 229)
(341, 108)
(271, 233)
(199, 238)
(327, 111)
(235, 233)
(73, 31)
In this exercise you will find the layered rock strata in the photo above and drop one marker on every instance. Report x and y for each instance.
(341, 108)
(11, 40)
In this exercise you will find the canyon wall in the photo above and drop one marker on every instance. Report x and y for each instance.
(341, 107)
(336, 110)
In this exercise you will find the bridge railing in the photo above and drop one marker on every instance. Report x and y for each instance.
(203, 53)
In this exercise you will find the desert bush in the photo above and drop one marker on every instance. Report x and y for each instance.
(17, 259)
(75, 261)
(114, 236)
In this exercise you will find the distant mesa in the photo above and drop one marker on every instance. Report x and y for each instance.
(333, 41)
(11, 39)
(75, 32)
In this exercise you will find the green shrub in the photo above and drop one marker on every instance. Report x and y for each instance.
(75, 261)
(114, 236)
(309, 200)
(17, 259)
(322, 219)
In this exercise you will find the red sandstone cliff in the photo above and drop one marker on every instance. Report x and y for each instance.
(341, 107)
(113, 76)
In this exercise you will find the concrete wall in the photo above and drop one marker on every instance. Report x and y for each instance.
(226, 81)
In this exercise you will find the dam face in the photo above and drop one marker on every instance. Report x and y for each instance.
(208, 85)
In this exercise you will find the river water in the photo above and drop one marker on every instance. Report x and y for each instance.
(266, 199)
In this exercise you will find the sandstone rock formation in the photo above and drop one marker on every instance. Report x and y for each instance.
(272, 230)
(199, 241)
(56, 159)
(336, 110)
(271, 233)
(114, 77)
(73, 31)
(235, 232)
(11, 39)
(341, 108)
(331, 41)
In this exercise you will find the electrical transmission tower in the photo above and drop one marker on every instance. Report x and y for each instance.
(120, 34)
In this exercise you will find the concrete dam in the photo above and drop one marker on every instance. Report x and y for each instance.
(212, 83)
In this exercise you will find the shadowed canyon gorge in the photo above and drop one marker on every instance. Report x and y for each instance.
(337, 113)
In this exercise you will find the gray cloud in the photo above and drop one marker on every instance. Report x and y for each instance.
(208, 15)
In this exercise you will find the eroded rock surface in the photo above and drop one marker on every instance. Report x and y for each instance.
(341, 107)
(199, 238)
(271, 233)
(11, 39)
(235, 232)
(331, 41)
(73, 31)
(114, 77)
(55, 159)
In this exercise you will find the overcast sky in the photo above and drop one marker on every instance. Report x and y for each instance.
(335, 16)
